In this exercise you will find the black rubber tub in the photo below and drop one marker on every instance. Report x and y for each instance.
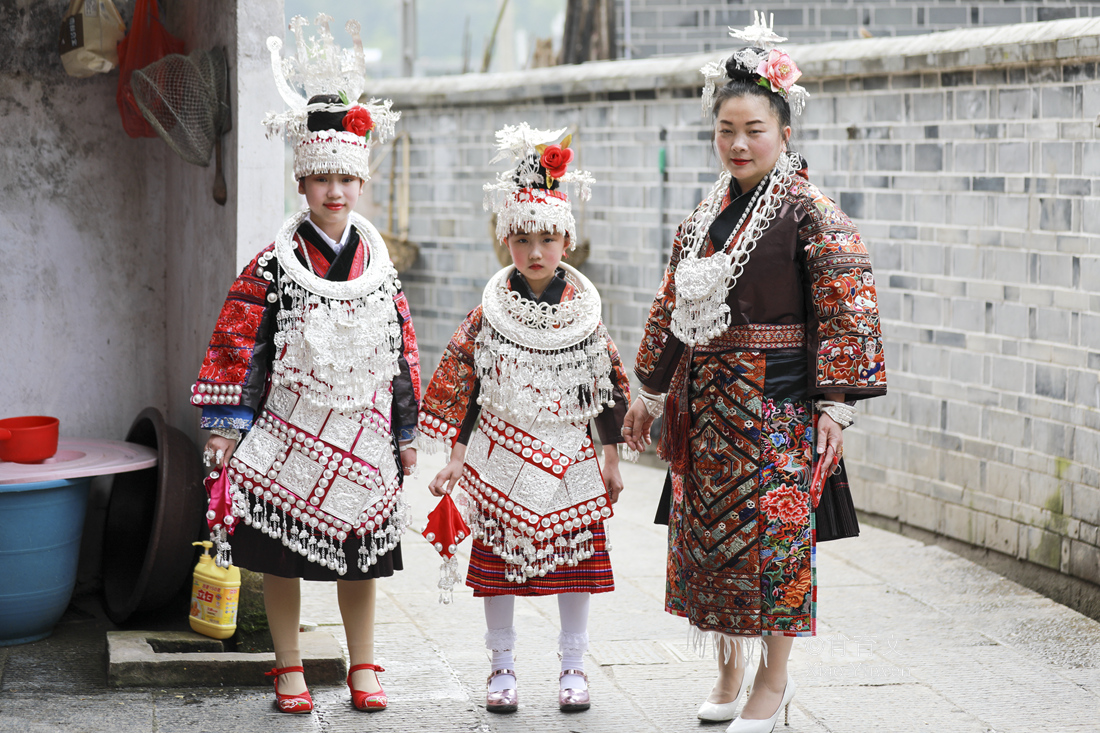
(153, 516)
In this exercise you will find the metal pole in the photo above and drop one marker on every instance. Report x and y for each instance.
(626, 30)
(408, 37)
(662, 189)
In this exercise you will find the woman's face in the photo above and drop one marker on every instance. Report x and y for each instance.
(331, 198)
(748, 138)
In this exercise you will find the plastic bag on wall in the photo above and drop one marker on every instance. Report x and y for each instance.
(148, 41)
(90, 32)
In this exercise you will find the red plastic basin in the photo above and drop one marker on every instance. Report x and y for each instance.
(28, 439)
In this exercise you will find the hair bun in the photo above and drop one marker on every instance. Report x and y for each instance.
(737, 72)
(319, 120)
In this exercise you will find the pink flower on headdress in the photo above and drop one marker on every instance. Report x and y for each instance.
(779, 70)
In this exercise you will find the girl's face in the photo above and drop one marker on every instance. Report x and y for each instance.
(331, 197)
(537, 255)
(749, 138)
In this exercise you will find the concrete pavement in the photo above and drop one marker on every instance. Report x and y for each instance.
(911, 638)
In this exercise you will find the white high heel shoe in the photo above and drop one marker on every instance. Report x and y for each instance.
(742, 725)
(721, 711)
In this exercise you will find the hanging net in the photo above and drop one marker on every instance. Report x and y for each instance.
(184, 99)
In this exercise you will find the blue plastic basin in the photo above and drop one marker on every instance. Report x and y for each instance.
(40, 528)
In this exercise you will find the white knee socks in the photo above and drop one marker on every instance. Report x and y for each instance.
(573, 639)
(500, 638)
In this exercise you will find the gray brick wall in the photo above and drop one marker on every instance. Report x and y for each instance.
(975, 189)
(663, 27)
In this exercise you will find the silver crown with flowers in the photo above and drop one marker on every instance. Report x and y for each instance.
(520, 196)
(762, 57)
(319, 66)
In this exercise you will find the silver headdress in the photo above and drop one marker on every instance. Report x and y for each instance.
(763, 59)
(322, 67)
(529, 197)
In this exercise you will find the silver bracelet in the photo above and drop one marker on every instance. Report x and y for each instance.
(841, 413)
(227, 433)
(654, 403)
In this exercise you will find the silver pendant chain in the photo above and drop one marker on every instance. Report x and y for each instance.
(703, 283)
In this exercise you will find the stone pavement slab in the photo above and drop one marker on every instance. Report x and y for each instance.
(910, 638)
(134, 660)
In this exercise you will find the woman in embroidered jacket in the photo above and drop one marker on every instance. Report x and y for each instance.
(768, 304)
(314, 356)
(535, 364)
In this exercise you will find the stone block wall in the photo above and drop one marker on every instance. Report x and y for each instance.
(969, 159)
(663, 27)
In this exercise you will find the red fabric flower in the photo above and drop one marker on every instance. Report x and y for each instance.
(554, 159)
(358, 121)
(786, 504)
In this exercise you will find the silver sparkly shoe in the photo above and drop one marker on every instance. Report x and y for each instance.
(573, 701)
(501, 701)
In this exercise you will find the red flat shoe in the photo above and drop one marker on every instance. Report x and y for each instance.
(302, 703)
(367, 701)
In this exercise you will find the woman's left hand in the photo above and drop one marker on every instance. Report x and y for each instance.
(830, 441)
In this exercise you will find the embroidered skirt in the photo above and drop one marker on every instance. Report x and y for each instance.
(487, 573)
(741, 546)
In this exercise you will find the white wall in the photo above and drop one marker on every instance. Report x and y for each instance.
(116, 258)
(81, 238)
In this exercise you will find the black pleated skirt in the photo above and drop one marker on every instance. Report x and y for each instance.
(255, 551)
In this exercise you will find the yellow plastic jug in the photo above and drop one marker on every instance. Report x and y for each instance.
(214, 595)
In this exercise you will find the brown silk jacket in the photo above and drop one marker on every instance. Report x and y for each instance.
(810, 267)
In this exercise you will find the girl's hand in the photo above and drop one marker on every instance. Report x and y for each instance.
(408, 460)
(636, 426)
(216, 445)
(445, 480)
(612, 479)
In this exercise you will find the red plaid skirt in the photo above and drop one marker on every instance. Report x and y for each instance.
(486, 573)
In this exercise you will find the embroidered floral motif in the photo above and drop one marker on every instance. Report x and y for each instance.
(227, 358)
(785, 504)
(849, 338)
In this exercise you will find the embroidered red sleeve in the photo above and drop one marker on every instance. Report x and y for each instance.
(452, 387)
(843, 327)
(224, 370)
(618, 371)
(408, 336)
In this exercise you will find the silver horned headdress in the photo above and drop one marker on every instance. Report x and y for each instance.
(529, 196)
(321, 67)
(772, 68)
